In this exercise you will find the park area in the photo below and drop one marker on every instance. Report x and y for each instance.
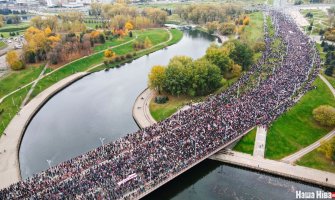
(18, 79)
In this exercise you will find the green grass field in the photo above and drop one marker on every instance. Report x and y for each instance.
(296, 128)
(111, 43)
(254, 31)
(330, 79)
(10, 107)
(317, 160)
(246, 144)
(16, 79)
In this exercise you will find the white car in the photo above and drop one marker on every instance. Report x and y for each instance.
(18, 46)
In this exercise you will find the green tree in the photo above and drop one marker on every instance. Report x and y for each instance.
(220, 58)
(242, 54)
(205, 77)
(178, 75)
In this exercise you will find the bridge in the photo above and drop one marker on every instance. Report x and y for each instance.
(135, 165)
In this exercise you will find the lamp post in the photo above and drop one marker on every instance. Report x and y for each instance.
(49, 163)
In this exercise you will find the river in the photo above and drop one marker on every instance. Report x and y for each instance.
(99, 106)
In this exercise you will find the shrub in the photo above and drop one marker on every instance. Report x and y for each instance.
(123, 57)
(117, 59)
(329, 71)
(325, 115)
(161, 99)
(17, 65)
(106, 62)
(128, 55)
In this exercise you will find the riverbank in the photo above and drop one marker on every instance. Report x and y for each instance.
(14, 132)
(308, 175)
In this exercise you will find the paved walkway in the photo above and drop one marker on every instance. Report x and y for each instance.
(141, 112)
(260, 141)
(278, 168)
(292, 158)
(10, 143)
(328, 84)
(26, 99)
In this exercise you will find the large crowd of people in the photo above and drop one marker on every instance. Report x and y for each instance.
(130, 166)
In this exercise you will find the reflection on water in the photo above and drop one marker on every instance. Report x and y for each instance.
(212, 180)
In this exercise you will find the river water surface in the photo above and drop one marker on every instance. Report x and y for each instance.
(100, 106)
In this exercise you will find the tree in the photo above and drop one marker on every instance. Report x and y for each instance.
(242, 54)
(129, 26)
(212, 26)
(157, 78)
(13, 61)
(109, 53)
(325, 115)
(327, 148)
(220, 58)
(259, 46)
(227, 28)
(205, 77)
(236, 70)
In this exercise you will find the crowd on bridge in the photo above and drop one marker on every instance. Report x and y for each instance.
(130, 166)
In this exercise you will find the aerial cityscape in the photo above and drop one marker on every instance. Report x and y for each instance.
(149, 99)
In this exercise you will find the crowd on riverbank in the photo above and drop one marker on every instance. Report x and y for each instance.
(131, 165)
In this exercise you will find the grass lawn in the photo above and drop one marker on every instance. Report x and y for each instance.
(14, 27)
(317, 160)
(254, 31)
(162, 111)
(2, 45)
(93, 25)
(246, 144)
(16, 79)
(296, 128)
(8, 110)
(155, 35)
(111, 43)
(330, 79)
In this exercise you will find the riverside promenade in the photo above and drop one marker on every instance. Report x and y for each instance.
(305, 174)
(141, 112)
(11, 139)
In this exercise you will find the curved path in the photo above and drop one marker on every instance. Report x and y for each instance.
(141, 112)
(294, 157)
(10, 141)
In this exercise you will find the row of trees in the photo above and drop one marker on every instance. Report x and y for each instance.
(67, 22)
(116, 15)
(200, 77)
(203, 13)
(46, 44)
